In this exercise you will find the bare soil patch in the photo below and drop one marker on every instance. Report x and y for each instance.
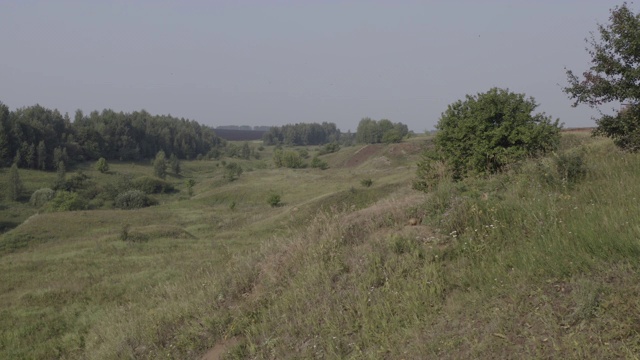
(363, 155)
(220, 349)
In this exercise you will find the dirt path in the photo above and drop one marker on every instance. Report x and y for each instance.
(220, 349)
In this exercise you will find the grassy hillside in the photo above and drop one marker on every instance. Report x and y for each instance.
(538, 262)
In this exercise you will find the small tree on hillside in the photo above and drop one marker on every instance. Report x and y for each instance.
(102, 165)
(175, 164)
(613, 76)
(160, 165)
(485, 132)
(42, 156)
(61, 177)
(14, 186)
(232, 171)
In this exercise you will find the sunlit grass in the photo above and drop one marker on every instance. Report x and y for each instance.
(520, 265)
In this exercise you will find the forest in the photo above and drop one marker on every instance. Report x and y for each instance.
(35, 137)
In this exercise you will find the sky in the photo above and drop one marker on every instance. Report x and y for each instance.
(280, 62)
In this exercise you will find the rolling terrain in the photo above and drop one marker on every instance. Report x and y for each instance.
(534, 262)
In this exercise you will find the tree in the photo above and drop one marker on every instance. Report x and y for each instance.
(14, 186)
(232, 171)
(61, 177)
(30, 157)
(245, 151)
(614, 75)
(4, 139)
(42, 155)
(174, 162)
(372, 132)
(102, 166)
(160, 165)
(190, 184)
(485, 132)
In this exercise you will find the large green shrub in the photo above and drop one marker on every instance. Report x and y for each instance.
(288, 158)
(102, 165)
(133, 199)
(66, 201)
(41, 196)
(318, 163)
(486, 132)
(150, 185)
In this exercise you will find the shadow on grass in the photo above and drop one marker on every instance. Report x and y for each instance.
(7, 225)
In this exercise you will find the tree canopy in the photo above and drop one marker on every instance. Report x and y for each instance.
(39, 138)
(302, 134)
(372, 132)
(487, 131)
(614, 75)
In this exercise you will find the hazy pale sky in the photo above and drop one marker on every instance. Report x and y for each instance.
(279, 62)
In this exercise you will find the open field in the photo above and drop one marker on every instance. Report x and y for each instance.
(522, 264)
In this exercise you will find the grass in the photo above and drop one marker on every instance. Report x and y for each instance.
(523, 264)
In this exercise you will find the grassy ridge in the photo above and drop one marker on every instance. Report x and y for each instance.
(523, 264)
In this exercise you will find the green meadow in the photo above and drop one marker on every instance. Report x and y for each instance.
(538, 261)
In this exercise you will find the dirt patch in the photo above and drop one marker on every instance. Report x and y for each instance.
(220, 349)
(401, 149)
(363, 155)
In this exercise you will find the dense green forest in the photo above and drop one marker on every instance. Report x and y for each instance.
(303, 134)
(382, 131)
(39, 138)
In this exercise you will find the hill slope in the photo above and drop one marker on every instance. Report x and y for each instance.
(529, 263)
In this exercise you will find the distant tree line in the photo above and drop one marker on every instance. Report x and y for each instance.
(39, 138)
(244, 127)
(383, 131)
(302, 134)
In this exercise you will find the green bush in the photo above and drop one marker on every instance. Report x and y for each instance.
(150, 185)
(66, 201)
(232, 171)
(486, 132)
(274, 200)
(288, 158)
(133, 199)
(190, 184)
(317, 163)
(366, 182)
(561, 170)
(329, 148)
(102, 166)
(571, 166)
(304, 153)
(41, 197)
(432, 169)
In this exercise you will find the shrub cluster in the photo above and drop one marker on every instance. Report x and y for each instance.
(41, 197)
(288, 158)
(66, 201)
(150, 185)
(318, 163)
(133, 199)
